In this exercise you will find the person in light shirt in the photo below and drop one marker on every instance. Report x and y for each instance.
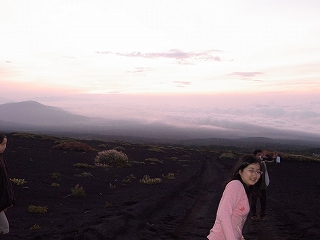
(234, 205)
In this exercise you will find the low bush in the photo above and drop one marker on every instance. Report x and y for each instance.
(112, 158)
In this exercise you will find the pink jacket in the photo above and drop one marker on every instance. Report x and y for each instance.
(232, 213)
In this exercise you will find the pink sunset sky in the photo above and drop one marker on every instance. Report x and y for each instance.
(215, 64)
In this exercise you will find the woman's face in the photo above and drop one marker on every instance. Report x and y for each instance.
(251, 174)
(3, 145)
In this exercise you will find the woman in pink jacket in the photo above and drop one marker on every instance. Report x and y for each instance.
(234, 205)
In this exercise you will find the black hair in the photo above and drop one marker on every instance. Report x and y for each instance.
(242, 163)
(256, 151)
(2, 136)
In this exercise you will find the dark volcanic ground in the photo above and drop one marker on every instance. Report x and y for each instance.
(181, 208)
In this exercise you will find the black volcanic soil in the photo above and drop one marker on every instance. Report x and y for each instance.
(182, 208)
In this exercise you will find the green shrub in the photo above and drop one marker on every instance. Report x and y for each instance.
(111, 158)
(147, 180)
(78, 191)
(74, 146)
(37, 209)
(18, 181)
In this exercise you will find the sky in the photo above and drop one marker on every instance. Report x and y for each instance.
(215, 64)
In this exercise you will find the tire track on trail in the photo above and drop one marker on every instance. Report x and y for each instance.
(200, 218)
(188, 212)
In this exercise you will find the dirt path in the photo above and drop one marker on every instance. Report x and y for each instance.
(189, 212)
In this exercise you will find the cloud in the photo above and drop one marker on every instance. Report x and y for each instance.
(261, 115)
(180, 56)
(140, 70)
(182, 83)
(246, 74)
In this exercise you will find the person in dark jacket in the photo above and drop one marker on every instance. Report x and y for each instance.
(6, 190)
(263, 184)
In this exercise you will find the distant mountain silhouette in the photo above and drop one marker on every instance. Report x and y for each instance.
(36, 114)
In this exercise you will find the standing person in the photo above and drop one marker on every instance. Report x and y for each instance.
(263, 184)
(6, 189)
(234, 205)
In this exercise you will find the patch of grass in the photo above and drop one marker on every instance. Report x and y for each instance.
(83, 165)
(169, 176)
(229, 155)
(84, 174)
(37, 209)
(156, 149)
(74, 146)
(137, 162)
(153, 160)
(128, 179)
(55, 175)
(297, 157)
(35, 227)
(24, 135)
(108, 205)
(78, 191)
(18, 181)
(147, 180)
(103, 145)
